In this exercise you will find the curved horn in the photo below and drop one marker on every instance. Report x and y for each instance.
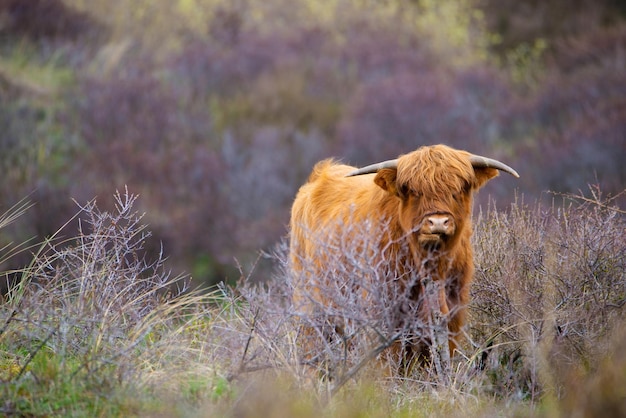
(373, 168)
(479, 161)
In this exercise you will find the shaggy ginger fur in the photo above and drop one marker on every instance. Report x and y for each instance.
(431, 184)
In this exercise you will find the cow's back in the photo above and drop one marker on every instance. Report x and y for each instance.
(329, 197)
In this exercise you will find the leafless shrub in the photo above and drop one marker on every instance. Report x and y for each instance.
(548, 293)
(358, 313)
(94, 298)
(549, 289)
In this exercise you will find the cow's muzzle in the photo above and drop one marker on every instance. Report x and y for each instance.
(436, 229)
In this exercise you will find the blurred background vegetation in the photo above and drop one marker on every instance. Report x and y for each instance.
(214, 111)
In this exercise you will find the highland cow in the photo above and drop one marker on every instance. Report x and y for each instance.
(417, 209)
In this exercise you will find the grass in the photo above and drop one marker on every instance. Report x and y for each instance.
(37, 77)
(96, 329)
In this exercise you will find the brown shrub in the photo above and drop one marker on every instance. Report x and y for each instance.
(549, 289)
(548, 293)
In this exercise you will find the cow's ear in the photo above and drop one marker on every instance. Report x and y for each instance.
(386, 180)
(484, 174)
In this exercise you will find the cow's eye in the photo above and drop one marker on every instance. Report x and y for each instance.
(403, 190)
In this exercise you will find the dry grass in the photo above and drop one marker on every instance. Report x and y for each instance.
(547, 299)
(93, 328)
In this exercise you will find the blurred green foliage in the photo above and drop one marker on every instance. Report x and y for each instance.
(215, 110)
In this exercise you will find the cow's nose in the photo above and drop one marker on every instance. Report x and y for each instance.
(440, 224)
